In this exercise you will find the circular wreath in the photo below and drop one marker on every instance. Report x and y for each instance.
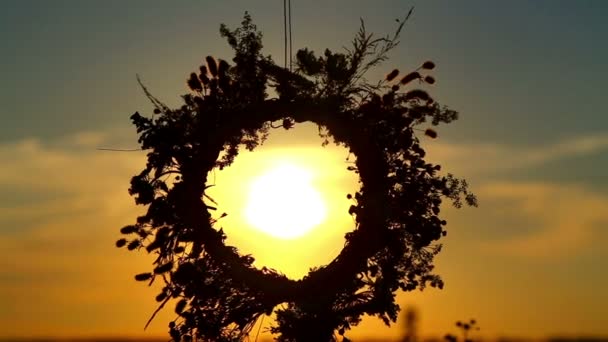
(220, 294)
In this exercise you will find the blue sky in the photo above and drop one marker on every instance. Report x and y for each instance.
(526, 76)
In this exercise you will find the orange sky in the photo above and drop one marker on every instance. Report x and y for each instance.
(528, 79)
(75, 282)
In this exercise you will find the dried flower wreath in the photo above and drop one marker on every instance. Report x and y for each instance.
(220, 294)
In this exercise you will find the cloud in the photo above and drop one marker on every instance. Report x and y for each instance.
(529, 218)
(71, 169)
(58, 224)
(484, 158)
(567, 219)
(67, 201)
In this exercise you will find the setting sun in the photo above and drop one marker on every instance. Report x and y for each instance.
(284, 203)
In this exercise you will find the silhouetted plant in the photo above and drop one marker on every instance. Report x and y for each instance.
(465, 330)
(219, 293)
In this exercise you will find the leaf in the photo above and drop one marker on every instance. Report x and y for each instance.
(287, 123)
(352, 210)
(120, 243)
(209, 198)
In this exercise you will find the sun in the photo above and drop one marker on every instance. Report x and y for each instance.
(284, 203)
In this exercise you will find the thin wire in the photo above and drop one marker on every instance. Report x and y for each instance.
(119, 149)
(285, 29)
(290, 41)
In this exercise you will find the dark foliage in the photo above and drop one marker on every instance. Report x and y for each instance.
(220, 295)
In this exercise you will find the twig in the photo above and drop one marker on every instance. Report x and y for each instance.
(156, 102)
(156, 311)
(259, 328)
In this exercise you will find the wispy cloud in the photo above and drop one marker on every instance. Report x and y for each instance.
(56, 252)
(567, 219)
(484, 158)
(58, 225)
(554, 219)
(58, 264)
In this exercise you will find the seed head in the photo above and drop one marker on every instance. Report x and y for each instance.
(204, 79)
(180, 306)
(163, 268)
(194, 83)
(128, 229)
(161, 296)
(143, 276)
(211, 65)
(133, 244)
(428, 65)
(410, 77)
(222, 68)
(391, 76)
(430, 133)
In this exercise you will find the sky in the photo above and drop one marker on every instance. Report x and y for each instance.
(527, 77)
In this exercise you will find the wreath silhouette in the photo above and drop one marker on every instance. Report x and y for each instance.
(219, 293)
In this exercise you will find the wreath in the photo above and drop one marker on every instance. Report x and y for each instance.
(220, 294)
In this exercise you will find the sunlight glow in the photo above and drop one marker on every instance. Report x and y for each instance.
(310, 220)
(284, 203)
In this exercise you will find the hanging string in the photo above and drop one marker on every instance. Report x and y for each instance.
(285, 29)
(290, 41)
